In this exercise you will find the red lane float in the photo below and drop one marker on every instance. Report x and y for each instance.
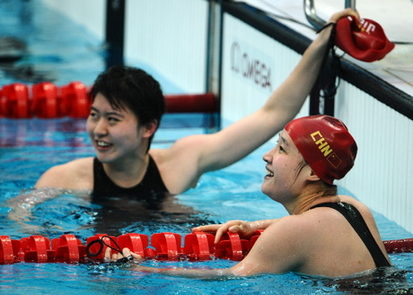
(75, 100)
(14, 102)
(399, 246)
(68, 249)
(232, 247)
(7, 253)
(46, 100)
(137, 243)
(198, 246)
(191, 103)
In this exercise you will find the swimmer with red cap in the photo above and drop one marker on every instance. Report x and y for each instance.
(325, 234)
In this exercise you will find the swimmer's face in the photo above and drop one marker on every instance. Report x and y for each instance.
(284, 165)
(115, 133)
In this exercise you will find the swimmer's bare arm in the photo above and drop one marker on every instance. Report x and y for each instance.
(278, 250)
(190, 157)
(70, 176)
(221, 149)
(21, 206)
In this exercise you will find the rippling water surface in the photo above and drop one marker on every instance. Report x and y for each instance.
(29, 147)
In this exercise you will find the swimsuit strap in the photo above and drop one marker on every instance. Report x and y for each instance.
(358, 223)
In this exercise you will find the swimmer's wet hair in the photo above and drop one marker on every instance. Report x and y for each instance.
(132, 88)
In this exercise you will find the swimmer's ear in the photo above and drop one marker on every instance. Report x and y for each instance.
(311, 175)
(150, 128)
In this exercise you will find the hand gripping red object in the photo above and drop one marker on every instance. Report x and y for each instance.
(137, 243)
(364, 40)
(100, 249)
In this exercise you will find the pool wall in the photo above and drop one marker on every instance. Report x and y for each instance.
(170, 38)
(166, 38)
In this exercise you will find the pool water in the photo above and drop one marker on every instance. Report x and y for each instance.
(46, 46)
(29, 147)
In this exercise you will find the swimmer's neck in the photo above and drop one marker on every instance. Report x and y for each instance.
(311, 196)
(127, 173)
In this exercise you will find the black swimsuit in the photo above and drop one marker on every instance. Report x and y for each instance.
(355, 219)
(151, 190)
(147, 206)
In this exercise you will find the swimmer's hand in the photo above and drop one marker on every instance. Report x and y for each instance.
(241, 227)
(126, 256)
(343, 13)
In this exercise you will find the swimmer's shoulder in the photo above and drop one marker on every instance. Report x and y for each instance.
(296, 224)
(300, 229)
(361, 207)
(178, 165)
(333, 219)
(75, 175)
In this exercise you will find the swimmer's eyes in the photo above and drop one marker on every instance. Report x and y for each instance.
(113, 120)
(110, 118)
(280, 148)
(93, 114)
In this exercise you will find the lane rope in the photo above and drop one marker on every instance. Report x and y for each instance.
(197, 246)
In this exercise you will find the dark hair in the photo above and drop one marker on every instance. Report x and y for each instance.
(132, 88)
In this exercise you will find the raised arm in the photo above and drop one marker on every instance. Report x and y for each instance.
(234, 142)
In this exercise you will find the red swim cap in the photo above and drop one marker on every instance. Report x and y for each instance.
(364, 40)
(325, 144)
